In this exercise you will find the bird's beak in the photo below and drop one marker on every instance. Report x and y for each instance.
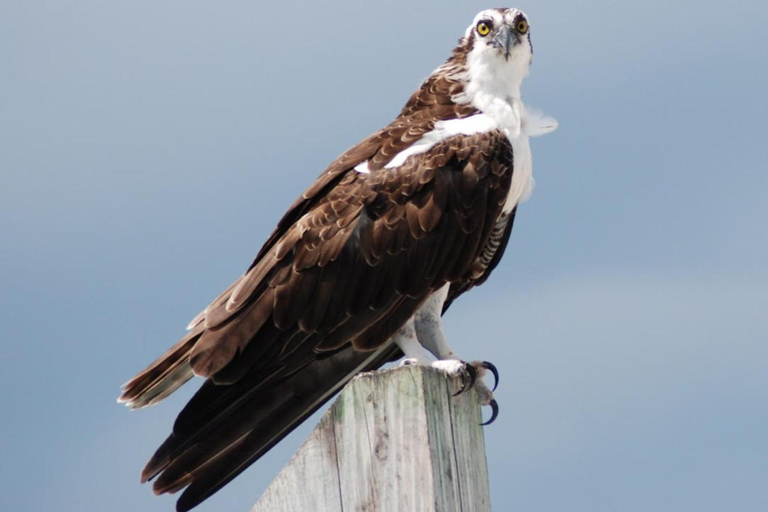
(504, 39)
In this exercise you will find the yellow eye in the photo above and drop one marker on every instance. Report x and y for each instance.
(522, 26)
(483, 28)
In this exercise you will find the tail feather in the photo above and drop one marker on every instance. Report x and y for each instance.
(224, 410)
(162, 377)
(240, 433)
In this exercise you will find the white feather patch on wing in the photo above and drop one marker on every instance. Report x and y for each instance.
(362, 167)
(478, 123)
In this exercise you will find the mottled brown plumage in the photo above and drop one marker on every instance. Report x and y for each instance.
(353, 258)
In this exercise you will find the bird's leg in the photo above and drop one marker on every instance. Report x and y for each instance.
(415, 353)
(429, 326)
(406, 339)
(429, 330)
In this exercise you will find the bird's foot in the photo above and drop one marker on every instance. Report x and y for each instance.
(484, 393)
(463, 373)
(469, 375)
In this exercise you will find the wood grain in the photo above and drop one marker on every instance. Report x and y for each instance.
(394, 440)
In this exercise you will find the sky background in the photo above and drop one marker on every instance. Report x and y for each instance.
(147, 149)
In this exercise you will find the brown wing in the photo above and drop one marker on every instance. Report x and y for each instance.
(173, 369)
(351, 261)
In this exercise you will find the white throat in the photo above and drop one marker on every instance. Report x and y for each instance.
(493, 87)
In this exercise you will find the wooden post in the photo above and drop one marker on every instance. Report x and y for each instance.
(394, 440)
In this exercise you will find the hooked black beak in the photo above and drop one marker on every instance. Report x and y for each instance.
(504, 39)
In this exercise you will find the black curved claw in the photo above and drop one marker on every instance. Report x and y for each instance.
(468, 369)
(490, 367)
(472, 374)
(494, 412)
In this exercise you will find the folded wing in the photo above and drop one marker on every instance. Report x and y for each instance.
(349, 263)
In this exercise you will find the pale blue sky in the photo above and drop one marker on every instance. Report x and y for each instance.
(148, 148)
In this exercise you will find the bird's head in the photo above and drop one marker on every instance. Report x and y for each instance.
(502, 34)
(497, 47)
(488, 65)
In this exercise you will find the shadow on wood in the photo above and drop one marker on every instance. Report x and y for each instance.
(394, 440)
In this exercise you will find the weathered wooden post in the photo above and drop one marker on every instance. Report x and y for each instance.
(394, 440)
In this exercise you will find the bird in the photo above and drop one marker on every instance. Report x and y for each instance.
(360, 269)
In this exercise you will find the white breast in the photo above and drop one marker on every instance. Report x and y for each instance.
(509, 114)
(518, 124)
(522, 174)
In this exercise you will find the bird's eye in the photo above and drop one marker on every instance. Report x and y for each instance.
(521, 26)
(483, 28)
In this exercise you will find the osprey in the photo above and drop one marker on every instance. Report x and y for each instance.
(360, 269)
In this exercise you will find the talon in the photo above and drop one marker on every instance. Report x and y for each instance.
(472, 374)
(468, 369)
(463, 384)
(492, 368)
(494, 412)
